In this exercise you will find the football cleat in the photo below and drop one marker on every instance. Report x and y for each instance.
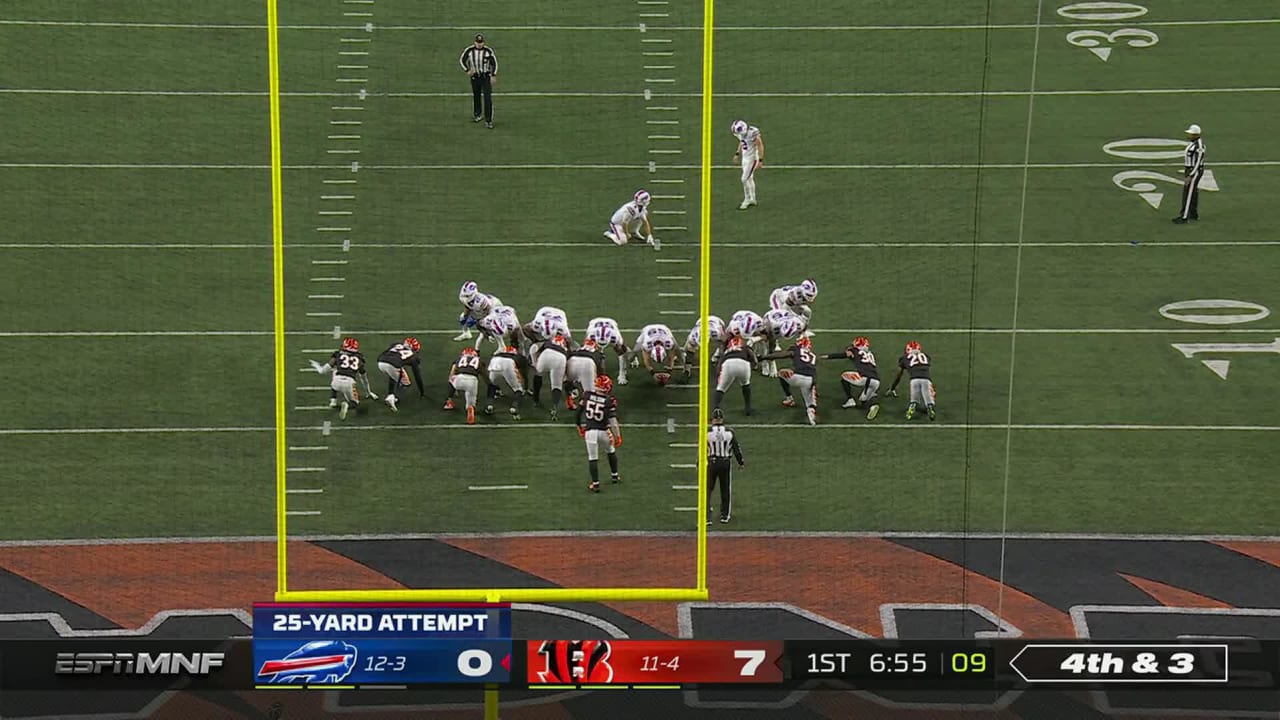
(464, 335)
(812, 414)
(744, 205)
(515, 414)
(911, 411)
(333, 402)
(789, 402)
(933, 413)
(615, 479)
(555, 414)
(488, 409)
(594, 487)
(390, 400)
(342, 410)
(850, 403)
(448, 404)
(350, 344)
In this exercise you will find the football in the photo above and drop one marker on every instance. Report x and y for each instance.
(662, 378)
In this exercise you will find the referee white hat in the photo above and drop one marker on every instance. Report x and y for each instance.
(1193, 129)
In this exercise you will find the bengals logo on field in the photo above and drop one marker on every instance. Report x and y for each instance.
(576, 662)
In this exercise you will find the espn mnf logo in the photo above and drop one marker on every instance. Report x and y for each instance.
(138, 663)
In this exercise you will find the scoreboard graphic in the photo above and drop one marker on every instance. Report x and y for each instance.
(347, 646)
(431, 646)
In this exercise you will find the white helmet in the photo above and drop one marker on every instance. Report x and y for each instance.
(793, 326)
(717, 327)
(809, 289)
(738, 127)
(659, 353)
(468, 291)
(642, 198)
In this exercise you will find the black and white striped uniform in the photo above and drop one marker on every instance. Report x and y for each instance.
(481, 63)
(1193, 169)
(722, 445)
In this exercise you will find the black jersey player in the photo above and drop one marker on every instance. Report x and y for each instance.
(801, 377)
(916, 364)
(597, 420)
(864, 376)
(347, 365)
(396, 362)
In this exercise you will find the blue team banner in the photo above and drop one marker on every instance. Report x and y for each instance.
(333, 621)
(370, 661)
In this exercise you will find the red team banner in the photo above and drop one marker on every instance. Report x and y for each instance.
(652, 662)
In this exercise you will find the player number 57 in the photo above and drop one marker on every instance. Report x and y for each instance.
(754, 658)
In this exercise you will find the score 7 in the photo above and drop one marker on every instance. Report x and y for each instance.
(754, 659)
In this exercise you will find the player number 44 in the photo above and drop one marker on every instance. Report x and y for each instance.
(754, 659)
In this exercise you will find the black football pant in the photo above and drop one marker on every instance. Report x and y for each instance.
(1190, 208)
(719, 473)
(482, 89)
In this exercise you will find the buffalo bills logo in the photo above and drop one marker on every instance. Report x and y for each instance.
(577, 662)
(323, 662)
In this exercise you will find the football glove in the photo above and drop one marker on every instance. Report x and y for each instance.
(892, 393)
(582, 431)
(616, 439)
(318, 367)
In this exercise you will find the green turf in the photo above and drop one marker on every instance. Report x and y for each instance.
(872, 185)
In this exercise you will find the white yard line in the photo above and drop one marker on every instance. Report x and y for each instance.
(1017, 286)
(609, 248)
(627, 28)
(556, 94)
(840, 331)
(591, 166)
(760, 534)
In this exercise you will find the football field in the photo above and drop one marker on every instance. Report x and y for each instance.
(992, 179)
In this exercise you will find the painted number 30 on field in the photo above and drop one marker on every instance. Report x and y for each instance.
(1102, 42)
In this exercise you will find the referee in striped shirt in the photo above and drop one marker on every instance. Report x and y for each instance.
(481, 64)
(722, 444)
(1193, 169)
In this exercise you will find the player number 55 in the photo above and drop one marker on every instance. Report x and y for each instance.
(754, 658)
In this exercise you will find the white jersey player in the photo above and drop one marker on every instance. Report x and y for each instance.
(547, 323)
(606, 334)
(501, 326)
(655, 346)
(779, 325)
(475, 305)
(504, 370)
(714, 337)
(628, 219)
(795, 298)
(750, 328)
(751, 150)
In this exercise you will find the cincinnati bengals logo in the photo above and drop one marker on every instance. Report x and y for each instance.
(577, 662)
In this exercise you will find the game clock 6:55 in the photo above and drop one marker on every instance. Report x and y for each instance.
(898, 662)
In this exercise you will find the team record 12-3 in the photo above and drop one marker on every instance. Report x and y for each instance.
(396, 644)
